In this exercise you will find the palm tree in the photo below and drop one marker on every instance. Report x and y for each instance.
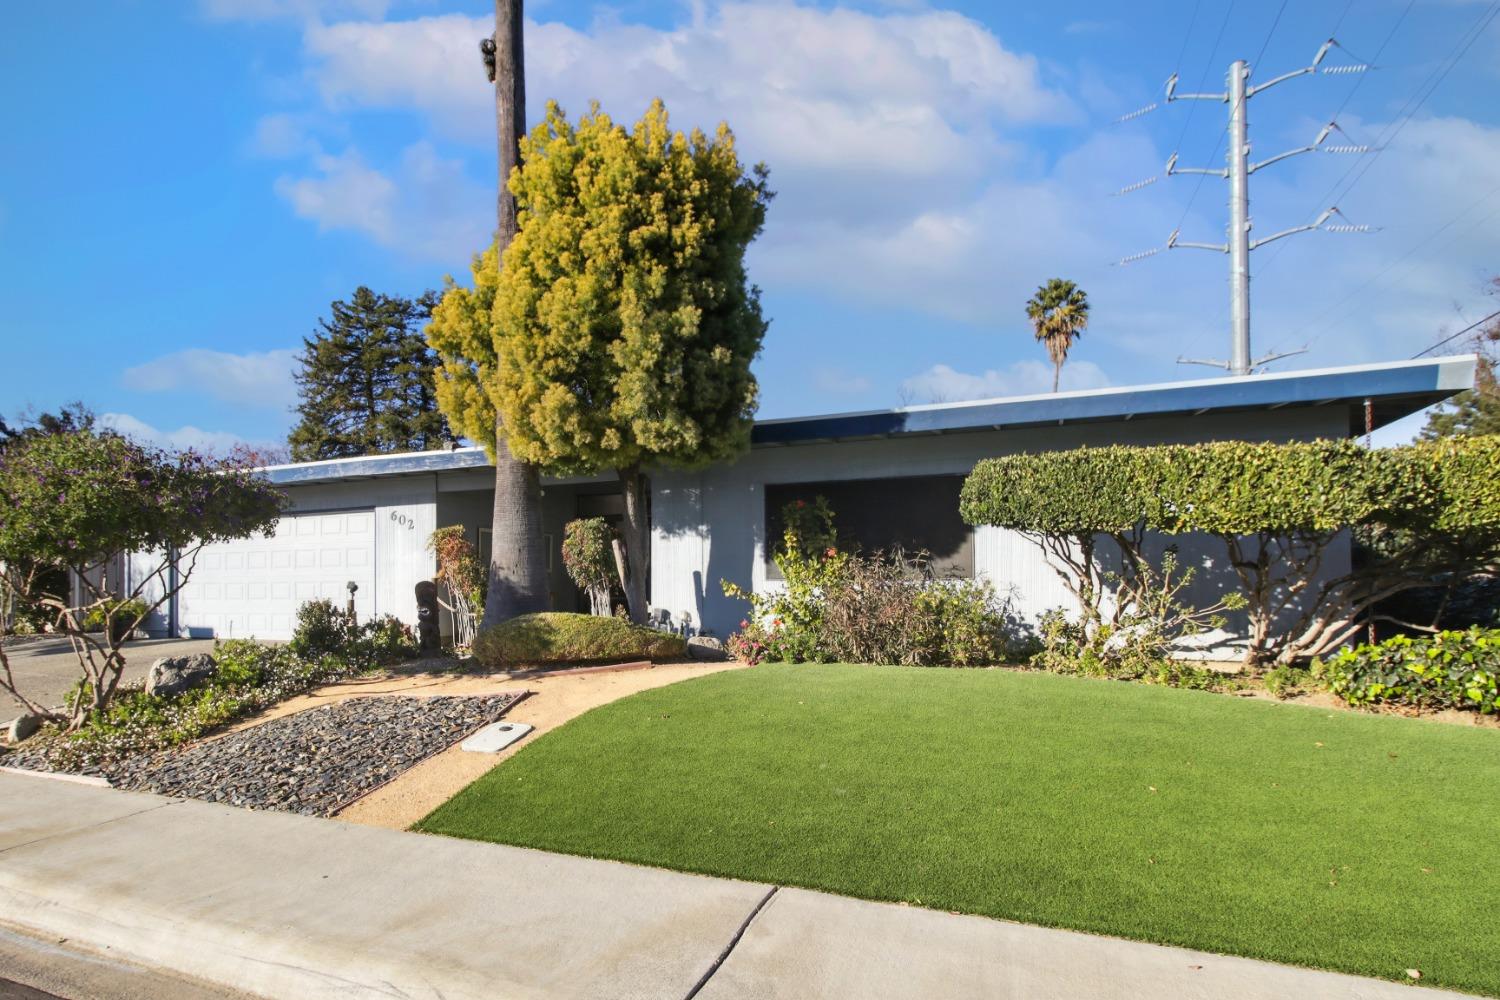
(518, 561)
(1059, 312)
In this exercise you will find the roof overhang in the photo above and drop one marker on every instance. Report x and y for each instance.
(1393, 390)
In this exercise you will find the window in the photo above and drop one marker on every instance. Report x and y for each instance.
(914, 513)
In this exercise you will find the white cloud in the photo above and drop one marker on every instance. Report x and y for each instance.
(895, 93)
(185, 437)
(914, 170)
(255, 379)
(424, 207)
(944, 384)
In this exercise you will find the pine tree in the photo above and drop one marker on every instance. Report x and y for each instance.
(1476, 410)
(367, 381)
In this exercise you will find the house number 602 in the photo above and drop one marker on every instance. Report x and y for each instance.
(409, 523)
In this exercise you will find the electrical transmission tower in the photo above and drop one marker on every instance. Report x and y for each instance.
(1237, 172)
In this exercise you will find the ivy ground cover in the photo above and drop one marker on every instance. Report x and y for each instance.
(1329, 839)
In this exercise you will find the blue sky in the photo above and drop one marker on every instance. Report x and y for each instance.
(188, 185)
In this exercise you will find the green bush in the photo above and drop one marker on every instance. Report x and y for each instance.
(1446, 670)
(386, 639)
(119, 615)
(879, 608)
(322, 628)
(557, 638)
(1428, 511)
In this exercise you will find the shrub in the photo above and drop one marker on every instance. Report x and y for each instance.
(556, 638)
(458, 564)
(118, 614)
(881, 608)
(1427, 512)
(1446, 670)
(588, 556)
(1287, 680)
(386, 639)
(1136, 642)
(322, 628)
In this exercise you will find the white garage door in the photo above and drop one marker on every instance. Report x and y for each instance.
(253, 586)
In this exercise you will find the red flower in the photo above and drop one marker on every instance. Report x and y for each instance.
(830, 552)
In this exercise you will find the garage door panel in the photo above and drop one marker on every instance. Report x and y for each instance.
(232, 594)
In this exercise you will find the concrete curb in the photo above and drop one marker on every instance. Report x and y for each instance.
(290, 906)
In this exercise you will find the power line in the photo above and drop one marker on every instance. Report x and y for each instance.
(1401, 121)
(1188, 35)
(1213, 54)
(1450, 339)
(1383, 271)
(1322, 201)
(1413, 103)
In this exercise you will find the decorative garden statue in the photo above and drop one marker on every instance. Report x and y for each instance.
(427, 617)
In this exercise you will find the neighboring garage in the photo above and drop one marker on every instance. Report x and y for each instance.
(250, 587)
(372, 532)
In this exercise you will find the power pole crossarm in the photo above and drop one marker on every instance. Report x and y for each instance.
(1173, 168)
(1311, 68)
(1316, 223)
(1172, 94)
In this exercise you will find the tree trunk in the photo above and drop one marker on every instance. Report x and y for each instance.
(1056, 374)
(634, 530)
(518, 564)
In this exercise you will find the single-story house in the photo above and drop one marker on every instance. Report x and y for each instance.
(891, 476)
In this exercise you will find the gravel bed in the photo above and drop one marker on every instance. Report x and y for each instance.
(317, 761)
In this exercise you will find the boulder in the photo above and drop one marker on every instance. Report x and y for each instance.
(175, 674)
(21, 727)
(706, 647)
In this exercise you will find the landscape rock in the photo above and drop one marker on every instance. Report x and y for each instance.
(176, 674)
(316, 761)
(706, 647)
(21, 727)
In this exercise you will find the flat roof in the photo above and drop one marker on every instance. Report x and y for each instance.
(1394, 389)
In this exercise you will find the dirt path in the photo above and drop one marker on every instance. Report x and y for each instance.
(554, 700)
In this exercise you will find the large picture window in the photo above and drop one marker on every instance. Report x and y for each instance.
(914, 513)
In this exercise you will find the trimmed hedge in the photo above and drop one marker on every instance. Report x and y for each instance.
(1447, 670)
(553, 637)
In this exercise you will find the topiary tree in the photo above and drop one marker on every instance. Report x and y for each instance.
(588, 556)
(1423, 513)
(77, 500)
(623, 325)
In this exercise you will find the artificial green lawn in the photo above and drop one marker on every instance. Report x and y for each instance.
(1332, 839)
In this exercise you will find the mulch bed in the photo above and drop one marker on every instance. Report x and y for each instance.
(317, 761)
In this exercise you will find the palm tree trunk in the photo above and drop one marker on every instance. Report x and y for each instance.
(518, 563)
(1056, 374)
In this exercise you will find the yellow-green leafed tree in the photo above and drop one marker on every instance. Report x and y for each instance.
(620, 331)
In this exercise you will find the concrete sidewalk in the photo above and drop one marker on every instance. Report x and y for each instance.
(288, 906)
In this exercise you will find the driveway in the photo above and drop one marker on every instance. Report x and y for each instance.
(46, 669)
